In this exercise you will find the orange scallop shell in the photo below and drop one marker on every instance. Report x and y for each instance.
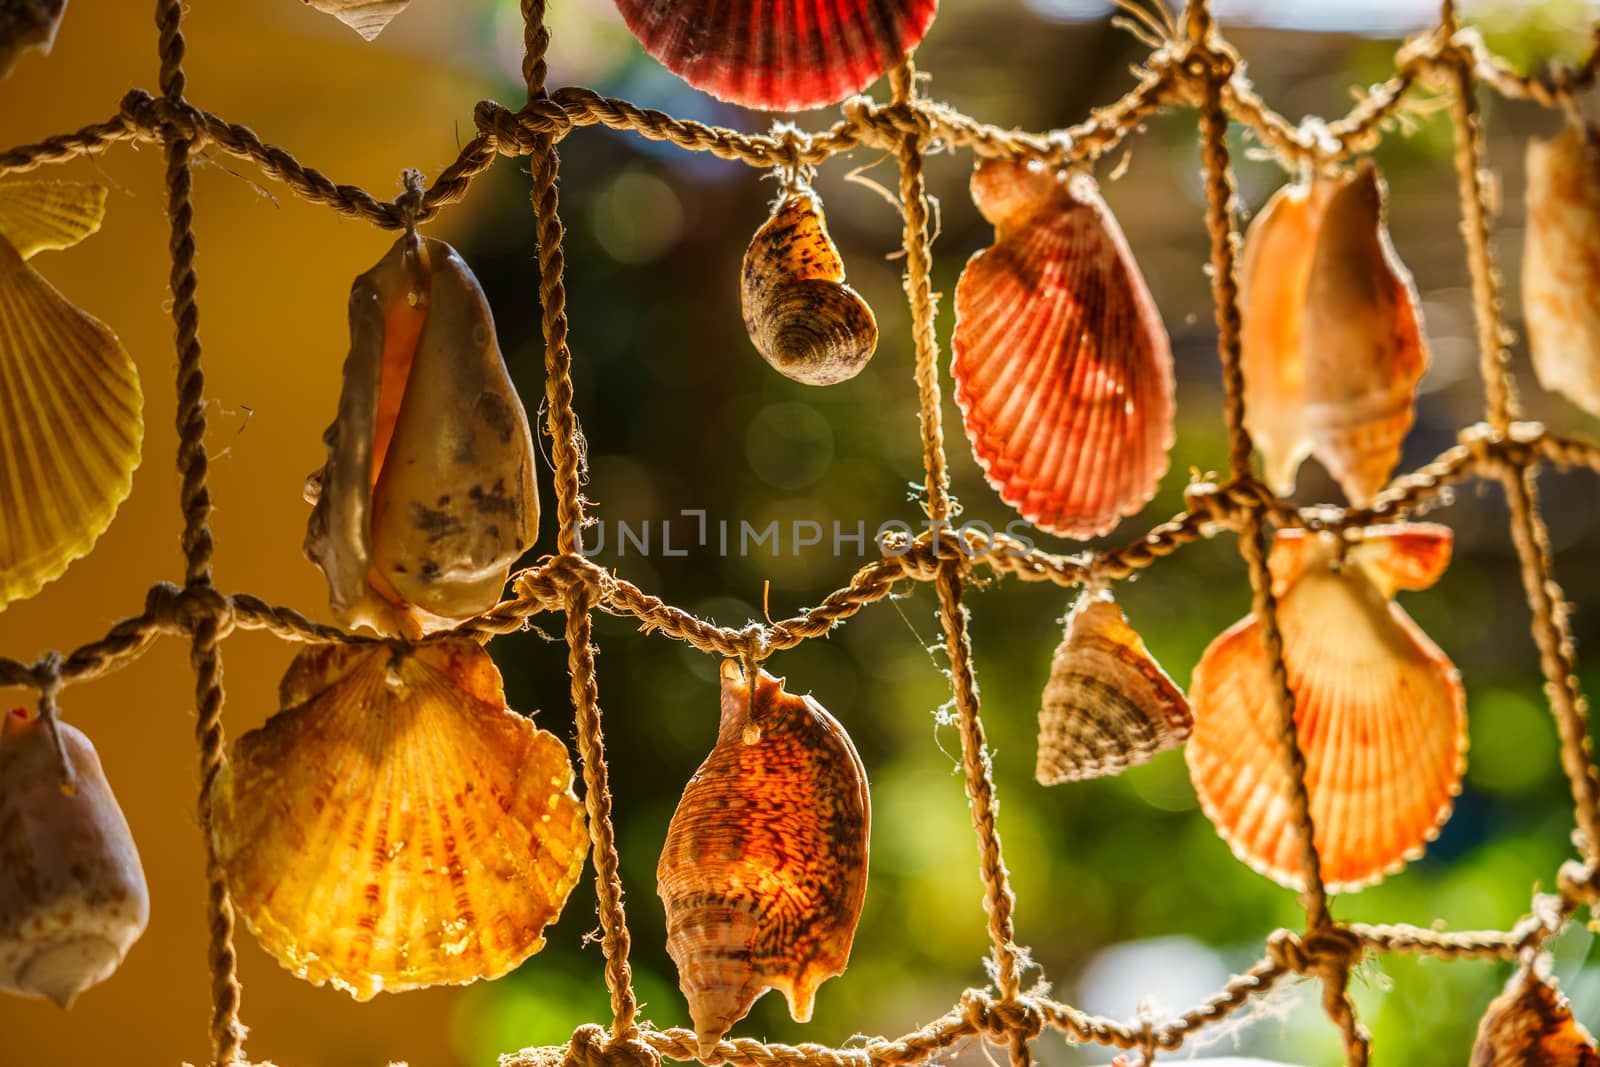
(1530, 1024)
(1560, 273)
(1379, 710)
(801, 316)
(1108, 704)
(1364, 348)
(1062, 367)
(764, 870)
(396, 826)
(779, 56)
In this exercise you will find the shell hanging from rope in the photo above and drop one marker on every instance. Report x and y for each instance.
(366, 17)
(71, 426)
(1062, 367)
(1560, 273)
(395, 826)
(1273, 272)
(1379, 711)
(765, 865)
(1364, 348)
(1530, 1024)
(73, 898)
(428, 495)
(26, 24)
(779, 57)
(1108, 704)
(801, 316)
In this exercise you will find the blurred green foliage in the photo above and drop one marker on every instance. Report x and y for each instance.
(680, 413)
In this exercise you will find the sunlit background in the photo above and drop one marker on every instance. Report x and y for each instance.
(1127, 898)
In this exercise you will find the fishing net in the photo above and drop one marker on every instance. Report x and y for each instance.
(1191, 66)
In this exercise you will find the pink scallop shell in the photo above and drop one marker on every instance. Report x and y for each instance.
(1062, 367)
(779, 56)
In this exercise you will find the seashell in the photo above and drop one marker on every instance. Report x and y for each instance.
(801, 316)
(73, 898)
(1364, 349)
(26, 24)
(765, 865)
(779, 57)
(1108, 704)
(1560, 276)
(1530, 1024)
(1273, 272)
(396, 826)
(366, 17)
(1062, 368)
(70, 422)
(428, 497)
(1379, 710)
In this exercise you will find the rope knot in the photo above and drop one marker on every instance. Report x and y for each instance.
(1328, 953)
(593, 1046)
(505, 127)
(177, 120)
(999, 1020)
(200, 603)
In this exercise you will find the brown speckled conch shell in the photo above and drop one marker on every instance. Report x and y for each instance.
(26, 24)
(765, 865)
(366, 17)
(801, 316)
(1530, 1024)
(428, 496)
(1364, 348)
(395, 826)
(72, 893)
(1108, 704)
(1560, 270)
(1379, 710)
(1062, 367)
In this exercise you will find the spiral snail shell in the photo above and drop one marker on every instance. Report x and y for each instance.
(73, 898)
(801, 316)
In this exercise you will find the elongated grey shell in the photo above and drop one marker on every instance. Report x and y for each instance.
(420, 531)
(1560, 272)
(1108, 704)
(26, 24)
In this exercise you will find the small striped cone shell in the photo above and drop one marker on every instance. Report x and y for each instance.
(73, 898)
(428, 496)
(26, 24)
(765, 865)
(1273, 273)
(801, 316)
(1379, 711)
(1062, 368)
(366, 17)
(1108, 704)
(396, 826)
(1530, 1024)
(779, 56)
(1560, 274)
(70, 404)
(1364, 349)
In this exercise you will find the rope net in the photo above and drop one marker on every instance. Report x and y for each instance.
(1194, 68)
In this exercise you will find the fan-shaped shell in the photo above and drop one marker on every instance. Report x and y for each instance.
(1273, 273)
(765, 865)
(1108, 704)
(1530, 1024)
(366, 17)
(395, 826)
(73, 898)
(1379, 711)
(1062, 368)
(1364, 349)
(801, 316)
(70, 422)
(1560, 274)
(428, 497)
(26, 24)
(779, 56)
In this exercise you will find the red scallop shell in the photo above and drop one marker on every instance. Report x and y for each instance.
(779, 56)
(1062, 367)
